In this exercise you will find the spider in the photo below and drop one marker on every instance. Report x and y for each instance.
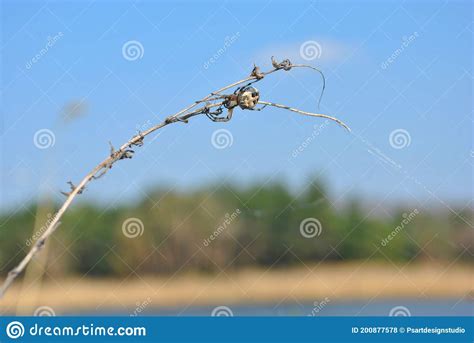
(246, 97)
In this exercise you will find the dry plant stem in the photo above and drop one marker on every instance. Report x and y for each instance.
(266, 103)
(77, 189)
(137, 140)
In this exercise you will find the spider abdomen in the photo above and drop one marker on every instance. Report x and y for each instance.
(248, 98)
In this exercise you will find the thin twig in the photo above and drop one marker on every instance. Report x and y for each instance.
(266, 103)
(125, 151)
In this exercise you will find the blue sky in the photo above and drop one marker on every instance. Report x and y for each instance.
(400, 68)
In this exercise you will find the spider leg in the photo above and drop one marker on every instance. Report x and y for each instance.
(257, 109)
(243, 87)
(215, 117)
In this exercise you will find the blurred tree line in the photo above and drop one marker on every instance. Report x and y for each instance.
(231, 227)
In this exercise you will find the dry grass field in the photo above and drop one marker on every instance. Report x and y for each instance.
(336, 281)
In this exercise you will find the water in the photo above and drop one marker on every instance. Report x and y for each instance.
(323, 307)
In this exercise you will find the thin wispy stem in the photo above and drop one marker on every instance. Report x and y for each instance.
(228, 101)
(266, 103)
